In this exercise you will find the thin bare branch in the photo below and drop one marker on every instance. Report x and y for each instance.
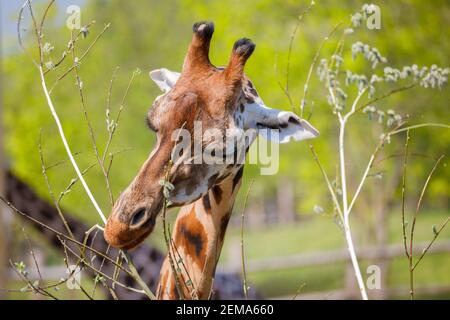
(244, 273)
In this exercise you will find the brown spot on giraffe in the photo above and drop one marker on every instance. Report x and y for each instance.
(191, 236)
(217, 192)
(207, 203)
(212, 180)
(223, 225)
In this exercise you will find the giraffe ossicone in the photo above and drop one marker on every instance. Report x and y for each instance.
(221, 100)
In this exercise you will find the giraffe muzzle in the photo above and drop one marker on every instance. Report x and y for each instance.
(129, 235)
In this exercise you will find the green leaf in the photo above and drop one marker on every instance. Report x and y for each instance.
(435, 230)
(169, 186)
(20, 266)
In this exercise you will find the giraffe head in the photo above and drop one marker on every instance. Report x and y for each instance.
(220, 101)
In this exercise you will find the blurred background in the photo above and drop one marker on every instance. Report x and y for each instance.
(293, 244)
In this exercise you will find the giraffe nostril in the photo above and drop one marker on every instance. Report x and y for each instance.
(138, 216)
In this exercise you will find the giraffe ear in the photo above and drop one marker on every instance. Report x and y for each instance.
(277, 125)
(290, 127)
(164, 78)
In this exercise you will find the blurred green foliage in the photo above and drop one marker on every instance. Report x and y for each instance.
(153, 34)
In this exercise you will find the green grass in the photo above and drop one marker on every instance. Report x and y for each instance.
(320, 234)
(287, 282)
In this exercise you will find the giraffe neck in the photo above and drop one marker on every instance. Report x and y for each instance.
(198, 236)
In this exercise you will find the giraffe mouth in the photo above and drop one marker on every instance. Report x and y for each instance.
(134, 243)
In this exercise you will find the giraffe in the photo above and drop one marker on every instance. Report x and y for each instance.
(220, 99)
(147, 259)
